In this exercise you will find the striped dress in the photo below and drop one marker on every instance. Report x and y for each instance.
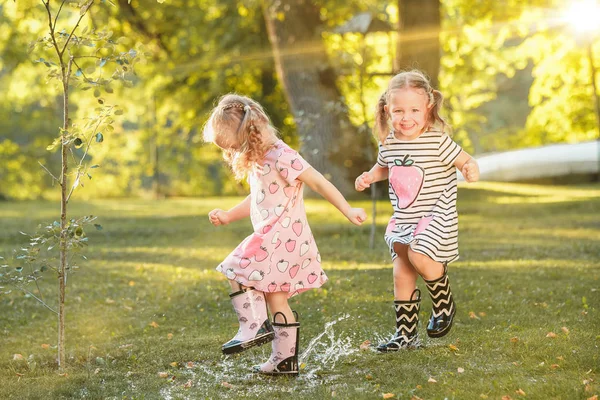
(422, 188)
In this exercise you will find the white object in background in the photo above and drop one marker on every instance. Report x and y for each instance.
(539, 162)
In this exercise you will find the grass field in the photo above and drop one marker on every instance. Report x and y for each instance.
(147, 313)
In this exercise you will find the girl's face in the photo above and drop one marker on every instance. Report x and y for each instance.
(409, 112)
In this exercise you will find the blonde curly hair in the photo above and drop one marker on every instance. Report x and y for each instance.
(239, 125)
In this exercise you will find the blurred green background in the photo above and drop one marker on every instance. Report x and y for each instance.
(514, 73)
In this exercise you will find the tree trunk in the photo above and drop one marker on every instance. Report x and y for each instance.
(329, 141)
(62, 268)
(419, 37)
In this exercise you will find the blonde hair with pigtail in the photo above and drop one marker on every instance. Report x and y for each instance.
(238, 125)
(414, 79)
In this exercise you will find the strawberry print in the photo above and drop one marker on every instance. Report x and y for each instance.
(296, 164)
(304, 248)
(264, 214)
(294, 270)
(297, 227)
(261, 254)
(406, 180)
(282, 266)
(266, 169)
(290, 245)
(306, 263)
(280, 254)
(230, 274)
(256, 275)
(260, 196)
(244, 262)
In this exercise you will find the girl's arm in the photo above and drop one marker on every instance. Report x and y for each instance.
(219, 217)
(467, 166)
(376, 174)
(319, 184)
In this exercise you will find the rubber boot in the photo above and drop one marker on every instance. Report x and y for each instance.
(255, 327)
(284, 358)
(407, 323)
(443, 307)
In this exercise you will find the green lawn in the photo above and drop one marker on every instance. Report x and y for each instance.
(147, 313)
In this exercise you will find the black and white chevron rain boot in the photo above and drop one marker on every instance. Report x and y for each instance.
(407, 322)
(443, 307)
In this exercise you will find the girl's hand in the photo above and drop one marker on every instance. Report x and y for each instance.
(470, 171)
(363, 181)
(356, 215)
(218, 217)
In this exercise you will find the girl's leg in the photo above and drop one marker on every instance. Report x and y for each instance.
(436, 279)
(255, 327)
(406, 304)
(405, 274)
(278, 303)
(284, 357)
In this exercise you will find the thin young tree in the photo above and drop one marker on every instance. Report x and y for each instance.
(79, 58)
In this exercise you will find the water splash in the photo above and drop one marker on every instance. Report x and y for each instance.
(317, 361)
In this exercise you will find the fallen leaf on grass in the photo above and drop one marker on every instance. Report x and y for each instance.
(516, 364)
(163, 374)
(561, 358)
(555, 366)
(594, 397)
(388, 395)
(415, 397)
(565, 329)
(169, 336)
(154, 324)
(514, 339)
(507, 397)
(227, 385)
(431, 380)
(452, 347)
(365, 345)
(97, 371)
(460, 370)
(65, 375)
(131, 283)
(369, 377)
(19, 375)
(188, 384)
(174, 364)
(482, 314)
(18, 357)
(419, 387)
(45, 346)
(483, 396)
(551, 335)
(189, 364)
(520, 392)
(472, 315)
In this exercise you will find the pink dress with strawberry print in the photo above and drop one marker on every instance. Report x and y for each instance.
(281, 254)
(423, 190)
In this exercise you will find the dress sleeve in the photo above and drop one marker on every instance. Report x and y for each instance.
(380, 158)
(290, 165)
(448, 150)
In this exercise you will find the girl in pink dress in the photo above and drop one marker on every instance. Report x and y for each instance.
(280, 259)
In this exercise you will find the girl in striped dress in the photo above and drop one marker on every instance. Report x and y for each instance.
(419, 159)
